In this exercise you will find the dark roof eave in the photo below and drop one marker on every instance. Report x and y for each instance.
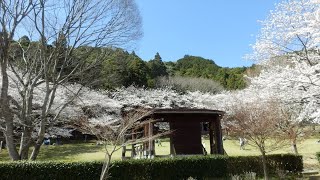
(182, 111)
(187, 111)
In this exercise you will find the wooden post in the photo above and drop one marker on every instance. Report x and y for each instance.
(133, 137)
(220, 141)
(123, 152)
(218, 136)
(171, 144)
(150, 140)
(146, 144)
(211, 137)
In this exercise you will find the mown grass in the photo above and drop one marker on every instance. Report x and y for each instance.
(307, 148)
(89, 151)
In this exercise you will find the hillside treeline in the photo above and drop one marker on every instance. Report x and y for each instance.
(123, 69)
(120, 68)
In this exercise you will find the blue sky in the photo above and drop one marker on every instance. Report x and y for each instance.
(213, 29)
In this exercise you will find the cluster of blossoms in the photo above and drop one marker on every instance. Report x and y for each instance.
(288, 49)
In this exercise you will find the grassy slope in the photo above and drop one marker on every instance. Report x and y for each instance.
(90, 152)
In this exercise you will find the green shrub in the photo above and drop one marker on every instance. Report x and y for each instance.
(243, 164)
(199, 167)
(288, 163)
(285, 162)
(50, 170)
(318, 156)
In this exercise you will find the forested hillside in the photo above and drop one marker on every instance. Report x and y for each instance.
(120, 68)
(193, 66)
(123, 69)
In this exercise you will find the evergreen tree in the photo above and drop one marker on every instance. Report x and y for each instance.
(157, 67)
(115, 71)
(24, 41)
(138, 71)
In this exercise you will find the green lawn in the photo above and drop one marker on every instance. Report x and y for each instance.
(90, 152)
(307, 149)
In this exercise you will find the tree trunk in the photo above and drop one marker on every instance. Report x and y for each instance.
(294, 147)
(35, 151)
(25, 143)
(1, 146)
(105, 168)
(5, 111)
(264, 163)
(39, 142)
(12, 150)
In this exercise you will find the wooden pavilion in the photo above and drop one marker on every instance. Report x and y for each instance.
(186, 126)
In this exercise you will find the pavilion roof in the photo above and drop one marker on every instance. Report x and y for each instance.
(180, 111)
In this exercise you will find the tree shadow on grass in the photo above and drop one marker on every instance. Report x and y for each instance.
(66, 151)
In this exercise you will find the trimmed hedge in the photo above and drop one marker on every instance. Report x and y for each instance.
(276, 163)
(199, 167)
(177, 168)
(50, 170)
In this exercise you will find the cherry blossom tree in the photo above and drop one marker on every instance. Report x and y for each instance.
(258, 122)
(110, 130)
(102, 114)
(287, 49)
(114, 132)
(291, 29)
(12, 14)
(74, 29)
(299, 98)
(299, 107)
(106, 106)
